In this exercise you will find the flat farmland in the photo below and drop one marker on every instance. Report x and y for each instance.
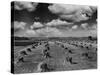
(55, 55)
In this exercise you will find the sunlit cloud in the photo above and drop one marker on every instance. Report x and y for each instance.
(29, 6)
(74, 13)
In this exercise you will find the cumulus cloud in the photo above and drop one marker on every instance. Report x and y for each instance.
(30, 33)
(36, 25)
(49, 32)
(30, 6)
(26, 33)
(19, 25)
(96, 20)
(57, 22)
(54, 32)
(74, 13)
(93, 32)
(41, 32)
(84, 25)
(94, 27)
(21, 30)
(74, 27)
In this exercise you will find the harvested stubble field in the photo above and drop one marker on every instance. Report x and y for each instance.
(55, 55)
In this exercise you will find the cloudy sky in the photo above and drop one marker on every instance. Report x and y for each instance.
(31, 19)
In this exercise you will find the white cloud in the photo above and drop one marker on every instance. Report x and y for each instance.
(19, 25)
(36, 25)
(18, 5)
(87, 26)
(96, 20)
(93, 32)
(49, 32)
(32, 32)
(42, 31)
(26, 33)
(74, 27)
(54, 32)
(78, 33)
(94, 27)
(75, 13)
(21, 30)
(84, 25)
(57, 22)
